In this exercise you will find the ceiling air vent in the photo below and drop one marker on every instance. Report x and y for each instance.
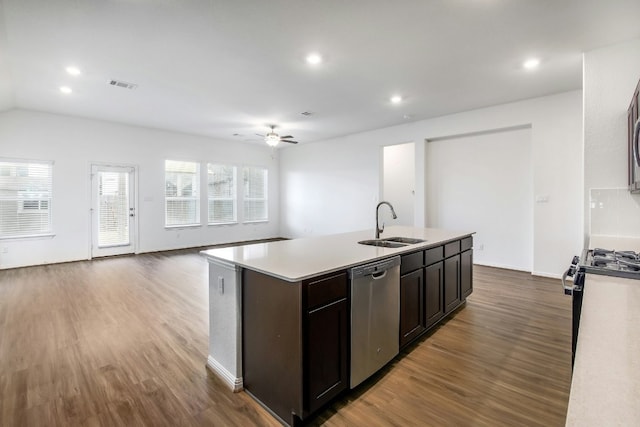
(120, 83)
(306, 113)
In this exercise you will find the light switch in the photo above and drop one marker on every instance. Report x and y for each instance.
(543, 198)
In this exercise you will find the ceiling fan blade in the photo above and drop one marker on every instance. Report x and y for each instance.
(290, 142)
(260, 135)
(286, 137)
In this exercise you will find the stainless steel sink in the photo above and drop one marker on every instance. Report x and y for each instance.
(382, 243)
(407, 240)
(392, 242)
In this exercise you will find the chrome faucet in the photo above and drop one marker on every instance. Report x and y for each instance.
(393, 212)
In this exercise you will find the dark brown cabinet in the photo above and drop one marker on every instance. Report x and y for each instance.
(295, 342)
(466, 273)
(411, 306)
(327, 346)
(433, 283)
(451, 283)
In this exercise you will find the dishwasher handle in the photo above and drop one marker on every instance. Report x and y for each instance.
(378, 276)
(374, 269)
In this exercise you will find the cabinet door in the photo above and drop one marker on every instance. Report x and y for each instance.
(411, 306)
(326, 359)
(433, 283)
(466, 273)
(451, 283)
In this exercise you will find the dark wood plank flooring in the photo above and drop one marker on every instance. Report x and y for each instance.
(123, 342)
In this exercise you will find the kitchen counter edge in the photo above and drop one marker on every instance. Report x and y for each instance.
(355, 253)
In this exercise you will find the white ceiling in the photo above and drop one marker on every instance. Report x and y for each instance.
(220, 67)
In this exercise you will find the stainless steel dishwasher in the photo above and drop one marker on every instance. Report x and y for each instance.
(375, 317)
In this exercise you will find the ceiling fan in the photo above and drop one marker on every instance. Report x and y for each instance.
(273, 138)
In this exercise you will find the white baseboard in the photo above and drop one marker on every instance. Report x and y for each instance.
(498, 265)
(234, 383)
(508, 267)
(549, 275)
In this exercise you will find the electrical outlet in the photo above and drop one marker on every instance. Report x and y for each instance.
(5, 250)
(481, 247)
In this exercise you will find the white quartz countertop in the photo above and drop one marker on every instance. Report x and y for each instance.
(605, 387)
(299, 259)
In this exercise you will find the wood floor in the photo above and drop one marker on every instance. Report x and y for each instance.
(123, 342)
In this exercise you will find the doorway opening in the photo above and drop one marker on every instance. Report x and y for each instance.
(398, 181)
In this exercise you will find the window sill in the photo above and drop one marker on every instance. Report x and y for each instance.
(214, 224)
(181, 226)
(256, 221)
(29, 237)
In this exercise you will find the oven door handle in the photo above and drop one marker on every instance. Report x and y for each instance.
(568, 289)
(635, 141)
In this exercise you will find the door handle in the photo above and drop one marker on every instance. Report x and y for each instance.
(131, 212)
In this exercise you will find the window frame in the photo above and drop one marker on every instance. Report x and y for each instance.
(245, 199)
(234, 199)
(197, 198)
(23, 196)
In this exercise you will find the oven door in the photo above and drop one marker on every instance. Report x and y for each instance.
(576, 311)
(575, 290)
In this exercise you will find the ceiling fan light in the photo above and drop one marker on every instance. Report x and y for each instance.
(272, 139)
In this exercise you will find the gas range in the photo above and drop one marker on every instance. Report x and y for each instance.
(610, 263)
(606, 262)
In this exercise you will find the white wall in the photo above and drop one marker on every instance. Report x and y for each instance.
(610, 77)
(333, 185)
(398, 182)
(7, 99)
(73, 143)
(485, 183)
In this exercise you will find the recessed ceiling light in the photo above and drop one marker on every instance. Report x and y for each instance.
(396, 99)
(65, 89)
(74, 71)
(531, 63)
(314, 58)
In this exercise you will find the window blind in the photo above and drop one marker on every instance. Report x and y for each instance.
(25, 198)
(255, 194)
(182, 193)
(113, 209)
(221, 182)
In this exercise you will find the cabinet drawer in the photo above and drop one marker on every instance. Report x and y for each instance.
(326, 290)
(433, 255)
(410, 262)
(466, 243)
(451, 249)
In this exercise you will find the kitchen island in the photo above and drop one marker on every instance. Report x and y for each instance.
(279, 311)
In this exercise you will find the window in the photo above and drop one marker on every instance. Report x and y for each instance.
(255, 194)
(221, 182)
(25, 198)
(182, 193)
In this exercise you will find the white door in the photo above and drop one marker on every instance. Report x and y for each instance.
(112, 210)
